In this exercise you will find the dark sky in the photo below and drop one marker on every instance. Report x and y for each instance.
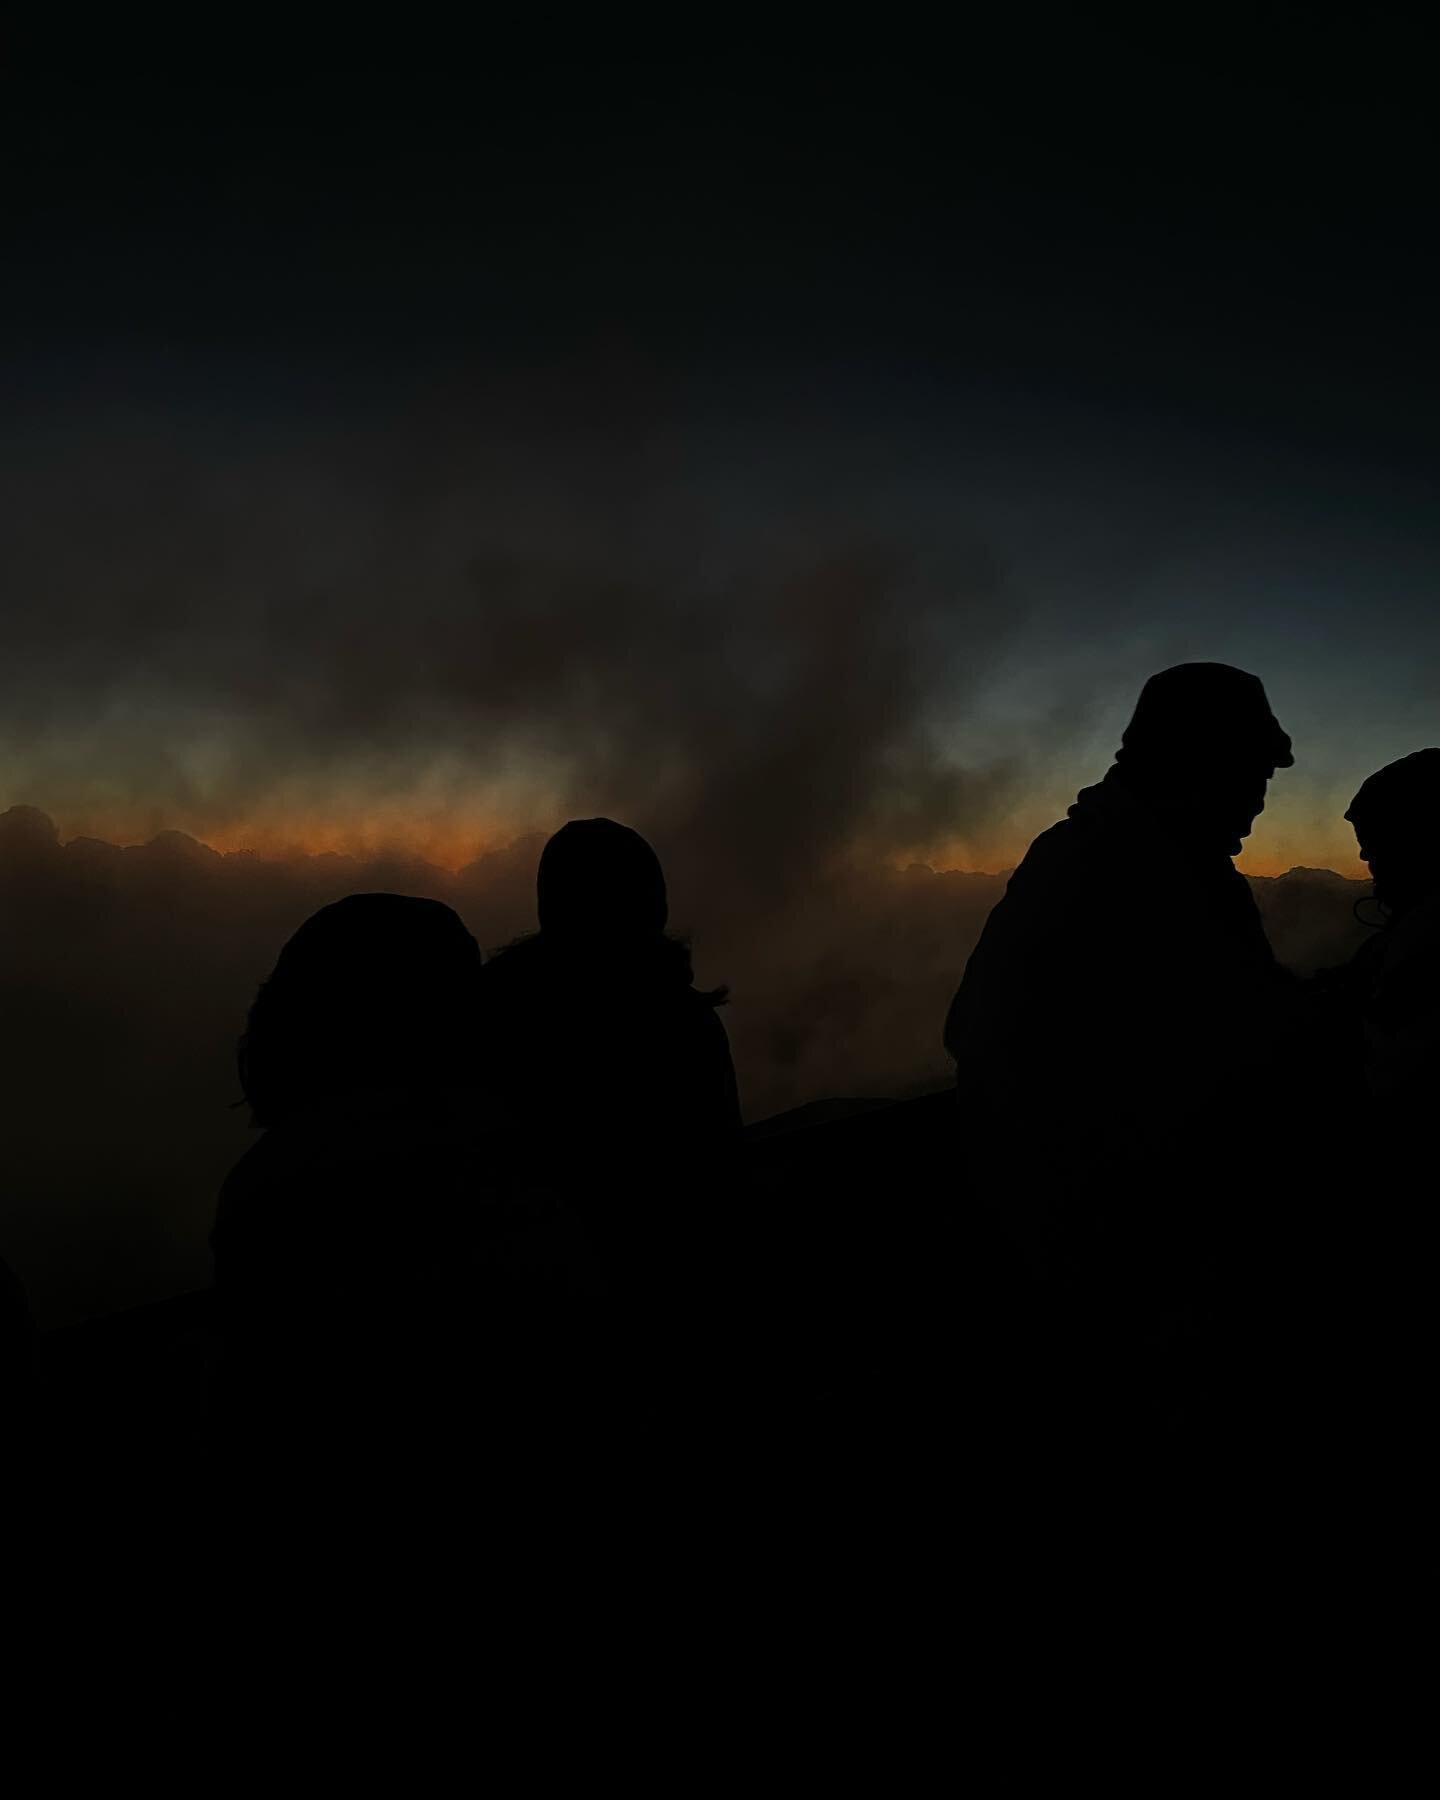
(436, 457)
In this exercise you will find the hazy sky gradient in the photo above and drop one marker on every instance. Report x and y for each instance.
(439, 461)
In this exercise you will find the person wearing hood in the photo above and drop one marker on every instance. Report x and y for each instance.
(1114, 1029)
(597, 1044)
(612, 1072)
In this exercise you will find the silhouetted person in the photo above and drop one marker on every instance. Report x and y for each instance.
(608, 1062)
(1390, 996)
(1396, 976)
(1371, 1140)
(1112, 1030)
(596, 1036)
(363, 1260)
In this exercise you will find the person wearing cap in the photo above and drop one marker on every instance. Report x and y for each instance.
(1112, 1028)
(1127, 946)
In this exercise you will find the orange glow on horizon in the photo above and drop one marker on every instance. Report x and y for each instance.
(1263, 859)
(446, 842)
(442, 843)
(449, 841)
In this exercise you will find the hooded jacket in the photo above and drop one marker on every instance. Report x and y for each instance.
(1121, 985)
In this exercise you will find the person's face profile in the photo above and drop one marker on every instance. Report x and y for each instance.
(1404, 869)
(1377, 861)
(1248, 789)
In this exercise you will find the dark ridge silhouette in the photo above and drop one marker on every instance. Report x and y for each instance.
(368, 1252)
(1310, 916)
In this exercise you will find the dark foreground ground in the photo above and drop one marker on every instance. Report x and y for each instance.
(903, 1346)
(833, 1234)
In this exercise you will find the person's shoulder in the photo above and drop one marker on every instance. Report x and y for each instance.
(514, 961)
(676, 1020)
(252, 1166)
(295, 1159)
(1062, 858)
(515, 975)
(1055, 847)
(1059, 902)
(247, 1190)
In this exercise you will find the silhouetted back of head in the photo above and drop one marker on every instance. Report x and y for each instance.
(1396, 816)
(600, 882)
(1201, 746)
(374, 994)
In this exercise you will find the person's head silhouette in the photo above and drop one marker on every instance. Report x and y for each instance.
(600, 882)
(373, 995)
(1201, 747)
(1396, 816)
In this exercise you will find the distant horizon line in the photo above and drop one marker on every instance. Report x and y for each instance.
(276, 850)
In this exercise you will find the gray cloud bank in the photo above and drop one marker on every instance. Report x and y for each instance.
(205, 629)
(125, 974)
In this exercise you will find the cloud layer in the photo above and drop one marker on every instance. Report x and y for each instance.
(125, 975)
